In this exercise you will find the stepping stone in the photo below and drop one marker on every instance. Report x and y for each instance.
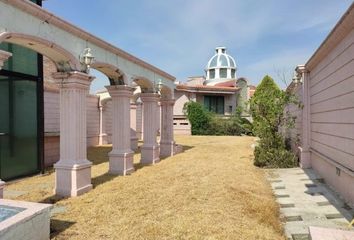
(318, 233)
(300, 236)
(275, 181)
(310, 185)
(305, 179)
(326, 203)
(282, 195)
(293, 218)
(279, 187)
(334, 216)
(300, 173)
(287, 205)
(315, 193)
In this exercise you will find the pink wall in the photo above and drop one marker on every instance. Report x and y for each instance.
(331, 104)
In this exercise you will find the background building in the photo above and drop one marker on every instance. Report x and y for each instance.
(220, 91)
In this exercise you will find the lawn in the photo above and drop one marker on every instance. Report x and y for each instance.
(210, 191)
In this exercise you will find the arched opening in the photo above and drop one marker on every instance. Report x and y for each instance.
(22, 88)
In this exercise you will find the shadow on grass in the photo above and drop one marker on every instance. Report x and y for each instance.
(58, 226)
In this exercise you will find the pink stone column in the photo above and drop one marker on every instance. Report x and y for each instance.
(133, 138)
(73, 170)
(167, 143)
(100, 135)
(150, 150)
(3, 57)
(305, 156)
(121, 156)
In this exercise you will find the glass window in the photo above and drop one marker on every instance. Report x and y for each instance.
(214, 104)
(213, 62)
(212, 73)
(223, 73)
(23, 60)
(233, 71)
(222, 61)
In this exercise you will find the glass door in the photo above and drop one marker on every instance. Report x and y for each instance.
(18, 127)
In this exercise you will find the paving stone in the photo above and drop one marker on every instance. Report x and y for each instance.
(301, 236)
(282, 195)
(334, 216)
(326, 203)
(287, 205)
(307, 201)
(293, 218)
(310, 185)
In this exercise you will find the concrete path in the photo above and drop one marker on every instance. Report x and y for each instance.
(305, 200)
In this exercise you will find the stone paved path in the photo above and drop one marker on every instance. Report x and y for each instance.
(305, 200)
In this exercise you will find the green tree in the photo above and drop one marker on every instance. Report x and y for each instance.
(267, 108)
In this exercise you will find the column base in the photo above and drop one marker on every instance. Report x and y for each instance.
(72, 179)
(121, 163)
(167, 149)
(150, 154)
(305, 158)
(134, 143)
(2, 186)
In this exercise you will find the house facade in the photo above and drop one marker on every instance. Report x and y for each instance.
(219, 90)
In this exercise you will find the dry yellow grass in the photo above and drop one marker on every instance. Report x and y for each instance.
(211, 191)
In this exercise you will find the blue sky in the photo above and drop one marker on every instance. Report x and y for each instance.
(179, 36)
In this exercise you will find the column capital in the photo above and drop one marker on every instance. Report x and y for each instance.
(119, 90)
(300, 69)
(165, 101)
(3, 57)
(73, 79)
(149, 97)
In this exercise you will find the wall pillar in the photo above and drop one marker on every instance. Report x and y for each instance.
(73, 170)
(305, 156)
(100, 135)
(167, 143)
(121, 156)
(150, 150)
(3, 57)
(133, 138)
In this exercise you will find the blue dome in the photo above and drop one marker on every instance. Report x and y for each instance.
(221, 60)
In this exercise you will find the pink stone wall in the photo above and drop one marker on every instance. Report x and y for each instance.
(332, 117)
(93, 120)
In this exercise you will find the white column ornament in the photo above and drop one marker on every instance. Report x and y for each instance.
(167, 143)
(121, 156)
(150, 150)
(73, 170)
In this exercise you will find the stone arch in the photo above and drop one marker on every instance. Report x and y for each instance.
(63, 59)
(166, 92)
(114, 74)
(145, 84)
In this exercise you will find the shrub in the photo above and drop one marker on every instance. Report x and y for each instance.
(198, 117)
(204, 122)
(267, 108)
